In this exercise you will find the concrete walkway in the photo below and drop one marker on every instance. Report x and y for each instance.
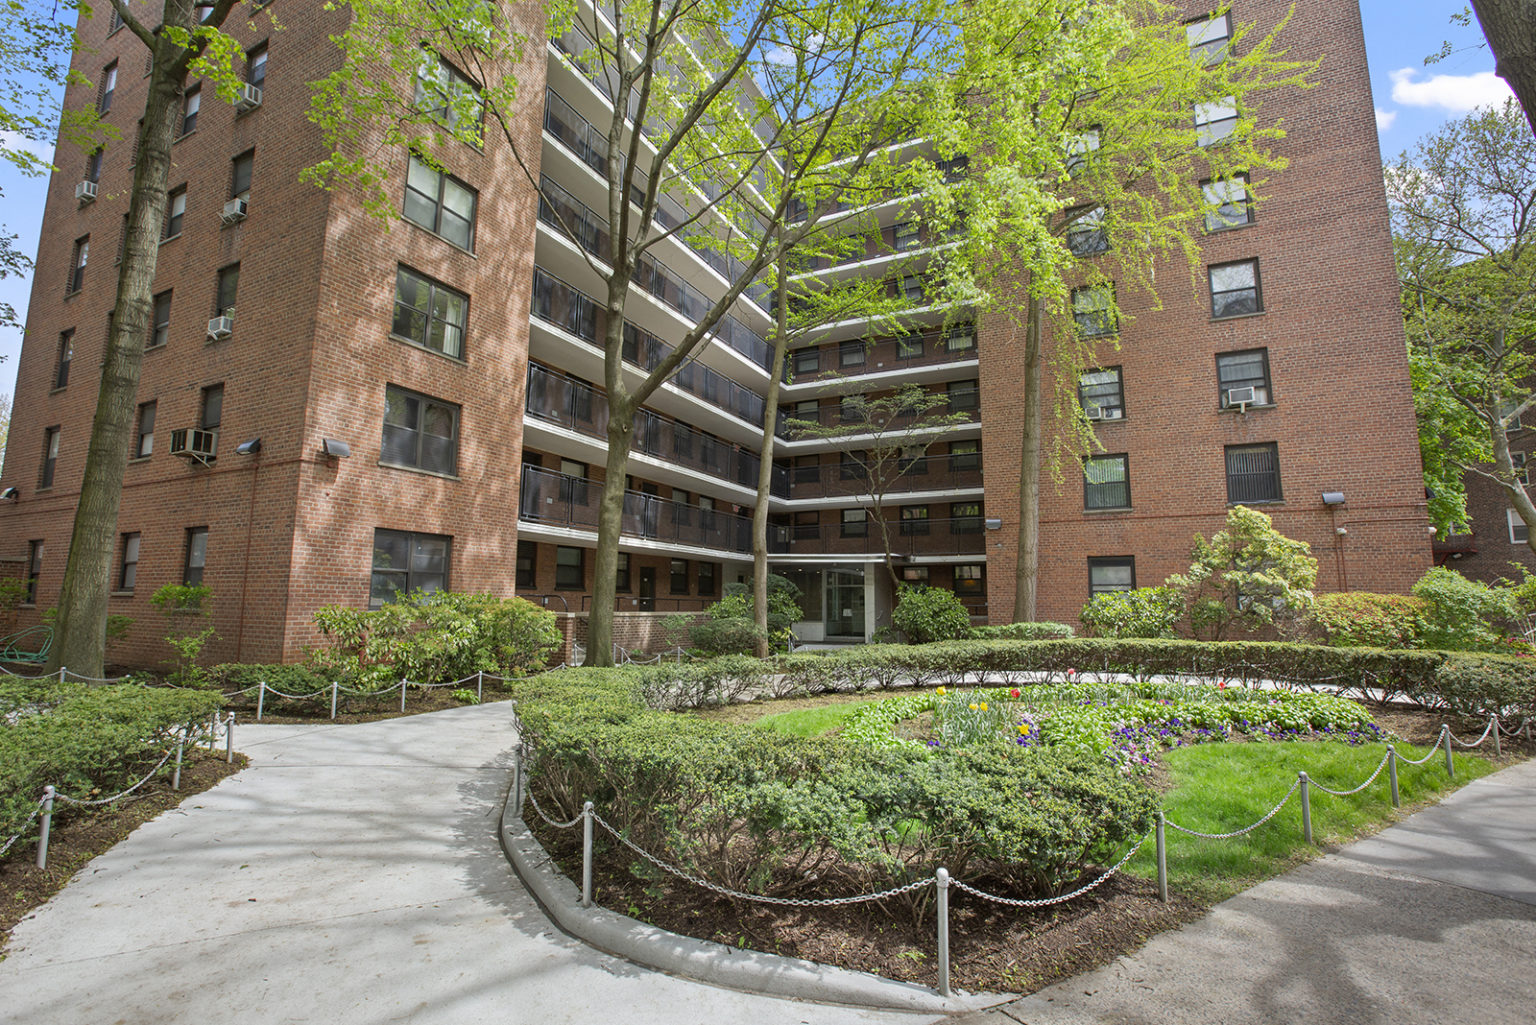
(1432, 920)
(351, 875)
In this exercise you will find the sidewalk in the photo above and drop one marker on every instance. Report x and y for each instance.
(351, 875)
(1432, 920)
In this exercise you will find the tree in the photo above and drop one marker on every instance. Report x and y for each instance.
(186, 41)
(1510, 28)
(1464, 225)
(1247, 575)
(1086, 163)
(709, 132)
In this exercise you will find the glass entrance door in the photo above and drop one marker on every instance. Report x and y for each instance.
(845, 605)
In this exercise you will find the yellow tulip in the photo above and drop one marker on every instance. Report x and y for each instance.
(983, 706)
(973, 706)
(940, 692)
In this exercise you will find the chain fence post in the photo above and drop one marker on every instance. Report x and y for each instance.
(479, 686)
(61, 683)
(335, 687)
(213, 730)
(941, 877)
(44, 825)
(402, 695)
(516, 796)
(1397, 800)
(586, 854)
(1493, 727)
(1162, 857)
(1450, 764)
(181, 739)
(229, 738)
(1306, 807)
(261, 698)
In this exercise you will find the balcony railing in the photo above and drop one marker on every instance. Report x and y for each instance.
(955, 345)
(577, 406)
(853, 418)
(569, 309)
(927, 473)
(962, 536)
(566, 501)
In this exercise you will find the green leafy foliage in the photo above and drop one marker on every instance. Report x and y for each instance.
(731, 628)
(927, 614)
(294, 679)
(1362, 619)
(186, 610)
(732, 636)
(1247, 576)
(433, 637)
(1041, 631)
(1462, 614)
(1142, 612)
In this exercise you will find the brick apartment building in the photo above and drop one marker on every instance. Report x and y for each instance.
(1494, 544)
(422, 391)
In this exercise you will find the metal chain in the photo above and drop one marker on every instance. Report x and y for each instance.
(1476, 743)
(798, 902)
(116, 797)
(1420, 761)
(30, 819)
(1246, 829)
(1345, 793)
(1047, 901)
(297, 697)
(558, 825)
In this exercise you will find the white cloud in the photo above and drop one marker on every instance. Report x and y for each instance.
(1457, 93)
(1384, 119)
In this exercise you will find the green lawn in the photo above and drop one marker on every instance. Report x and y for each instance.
(810, 722)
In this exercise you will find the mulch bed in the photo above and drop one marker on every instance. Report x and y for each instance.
(79, 836)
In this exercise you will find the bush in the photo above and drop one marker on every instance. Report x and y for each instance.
(928, 614)
(1248, 576)
(732, 636)
(1143, 612)
(737, 604)
(185, 607)
(1042, 631)
(1361, 619)
(1462, 614)
(295, 679)
(434, 637)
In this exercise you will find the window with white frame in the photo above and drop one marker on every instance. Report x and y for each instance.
(1208, 38)
(1519, 533)
(1215, 121)
(1228, 203)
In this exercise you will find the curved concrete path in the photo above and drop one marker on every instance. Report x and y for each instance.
(351, 875)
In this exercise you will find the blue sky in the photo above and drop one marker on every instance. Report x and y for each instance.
(1411, 100)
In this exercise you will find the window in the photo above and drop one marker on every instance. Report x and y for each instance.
(430, 314)
(115, 22)
(404, 562)
(914, 520)
(851, 465)
(229, 290)
(50, 457)
(128, 569)
(240, 171)
(913, 461)
(963, 396)
(1093, 309)
(906, 236)
(419, 432)
(915, 576)
(912, 287)
(968, 579)
(1085, 234)
(144, 434)
(706, 512)
(440, 203)
(1519, 533)
(808, 410)
(256, 65)
(965, 455)
(1228, 203)
(960, 338)
(160, 322)
(1102, 394)
(77, 265)
(807, 526)
(909, 347)
(855, 523)
(1253, 473)
(444, 92)
(850, 354)
(1247, 369)
(1106, 575)
(66, 355)
(197, 557)
(191, 103)
(1215, 121)
(570, 568)
(806, 470)
(212, 409)
(1235, 289)
(807, 361)
(527, 564)
(709, 573)
(108, 87)
(175, 213)
(34, 570)
(679, 581)
(965, 518)
(1521, 461)
(93, 165)
(1080, 149)
(1106, 482)
(1208, 38)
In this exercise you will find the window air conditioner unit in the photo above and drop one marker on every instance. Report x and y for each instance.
(1093, 412)
(1240, 397)
(247, 97)
(85, 192)
(235, 210)
(194, 443)
(220, 328)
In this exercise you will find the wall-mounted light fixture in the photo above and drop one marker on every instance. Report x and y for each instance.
(10, 494)
(248, 448)
(1333, 498)
(994, 523)
(335, 448)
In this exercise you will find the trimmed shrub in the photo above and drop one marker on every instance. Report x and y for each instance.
(1248, 576)
(296, 679)
(927, 614)
(1462, 614)
(735, 635)
(1143, 612)
(1361, 619)
(736, 607)
(1041, 631)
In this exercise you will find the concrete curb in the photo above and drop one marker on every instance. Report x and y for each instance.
(714, 963)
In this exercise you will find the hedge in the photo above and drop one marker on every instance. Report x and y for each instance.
(84, 740)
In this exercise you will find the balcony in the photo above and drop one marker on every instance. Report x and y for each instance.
(931, 348)
(559, 500)
(555, 398)
(856, 419)
(927, 473)
(962, 536)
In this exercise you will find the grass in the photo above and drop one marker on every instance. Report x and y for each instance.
(811, 722)
(1217, 788)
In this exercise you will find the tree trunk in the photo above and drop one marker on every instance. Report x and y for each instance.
(1027, 566)
(765, 467)
(1523, 506)
(81, 627)
(1510, 28)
